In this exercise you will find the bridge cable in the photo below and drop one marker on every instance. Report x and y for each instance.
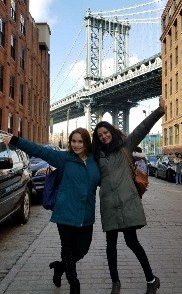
(69, 71)
(127, 8)
(68, 53)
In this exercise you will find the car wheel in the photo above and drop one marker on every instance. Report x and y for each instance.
(22, 215)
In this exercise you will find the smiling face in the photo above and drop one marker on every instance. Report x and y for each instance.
(77, 145)
(104, 135)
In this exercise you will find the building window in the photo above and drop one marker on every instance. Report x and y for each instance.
(176, 55)
(165, 137)
(170, 136)
(22, 58)
(10, 123)
(22, 24)
(29, 130)
(176, 134)
(165, 69)
(164, 46)
(176, 30)
(171, 87)
(13, 9)
(13, 44)
(176, 81)
(166, 113)
(29, 100)
(177, 108)
(21, 95)
(1, 114)
(12, 87)
(2, 32)
(35, 105)
(1, 77)
(171, 62)
(170, 13)
(171, 110)
(170, 39)
(4, 1)
(20, 127)
(164, 23)
(165, 89)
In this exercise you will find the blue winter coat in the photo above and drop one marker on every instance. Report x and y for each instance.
(75, 203)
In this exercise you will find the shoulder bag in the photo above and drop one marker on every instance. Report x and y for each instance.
(140, 179)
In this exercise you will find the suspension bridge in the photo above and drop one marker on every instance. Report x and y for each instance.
(123, 66)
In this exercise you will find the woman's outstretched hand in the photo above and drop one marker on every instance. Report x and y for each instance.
(7, 139)
(162, 103)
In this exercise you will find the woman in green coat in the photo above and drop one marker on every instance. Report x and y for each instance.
(120, 205)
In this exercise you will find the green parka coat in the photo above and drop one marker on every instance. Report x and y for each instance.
(120, 204)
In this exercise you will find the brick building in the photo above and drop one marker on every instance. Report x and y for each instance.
(172, 76)
(24, 72)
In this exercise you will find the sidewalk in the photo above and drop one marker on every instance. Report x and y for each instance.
(162, 241)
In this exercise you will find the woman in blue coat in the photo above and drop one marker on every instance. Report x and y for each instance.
(74, 211)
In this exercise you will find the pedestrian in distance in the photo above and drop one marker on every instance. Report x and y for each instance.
(120, 205)
(74, 210)
(140, 160)
(178, 167)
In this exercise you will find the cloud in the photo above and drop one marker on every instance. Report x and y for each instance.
(41, 12)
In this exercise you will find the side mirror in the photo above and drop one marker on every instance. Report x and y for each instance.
(6, 163)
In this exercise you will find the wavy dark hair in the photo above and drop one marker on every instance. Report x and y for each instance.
(85, 137)
(118, 139)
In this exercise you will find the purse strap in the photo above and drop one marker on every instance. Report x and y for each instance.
(130, 163)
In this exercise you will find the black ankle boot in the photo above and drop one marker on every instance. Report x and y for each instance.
(152, 287)
(116, 286)
(75, 287)
(58, 272)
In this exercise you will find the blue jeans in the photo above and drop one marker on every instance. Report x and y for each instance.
(178, 178)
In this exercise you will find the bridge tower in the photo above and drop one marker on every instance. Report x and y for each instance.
(96, 28)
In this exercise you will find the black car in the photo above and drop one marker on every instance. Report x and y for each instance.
(165, 169)
(15, 183)
(39, 169)
(151, 164)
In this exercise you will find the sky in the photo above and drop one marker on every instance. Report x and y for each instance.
(66, 19)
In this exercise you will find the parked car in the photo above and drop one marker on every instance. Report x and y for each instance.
(15, 183)
(151, 164)
(165, 169)
(39, 169)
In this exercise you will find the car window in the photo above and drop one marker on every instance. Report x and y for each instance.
(152, 158)
(17, 162)
(3, 150)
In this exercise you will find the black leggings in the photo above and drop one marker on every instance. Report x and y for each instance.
(75, 243)
(132, 242)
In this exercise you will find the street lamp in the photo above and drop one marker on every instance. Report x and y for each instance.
(68, 118)
(145, 112)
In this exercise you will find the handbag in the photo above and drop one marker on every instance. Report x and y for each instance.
(140, 179)
(51, 185)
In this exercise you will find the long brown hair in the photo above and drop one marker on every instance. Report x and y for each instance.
(118, 138)
(85, 137)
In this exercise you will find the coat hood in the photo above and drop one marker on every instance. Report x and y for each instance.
(139, 155)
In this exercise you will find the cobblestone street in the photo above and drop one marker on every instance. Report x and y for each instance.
(162, 240)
